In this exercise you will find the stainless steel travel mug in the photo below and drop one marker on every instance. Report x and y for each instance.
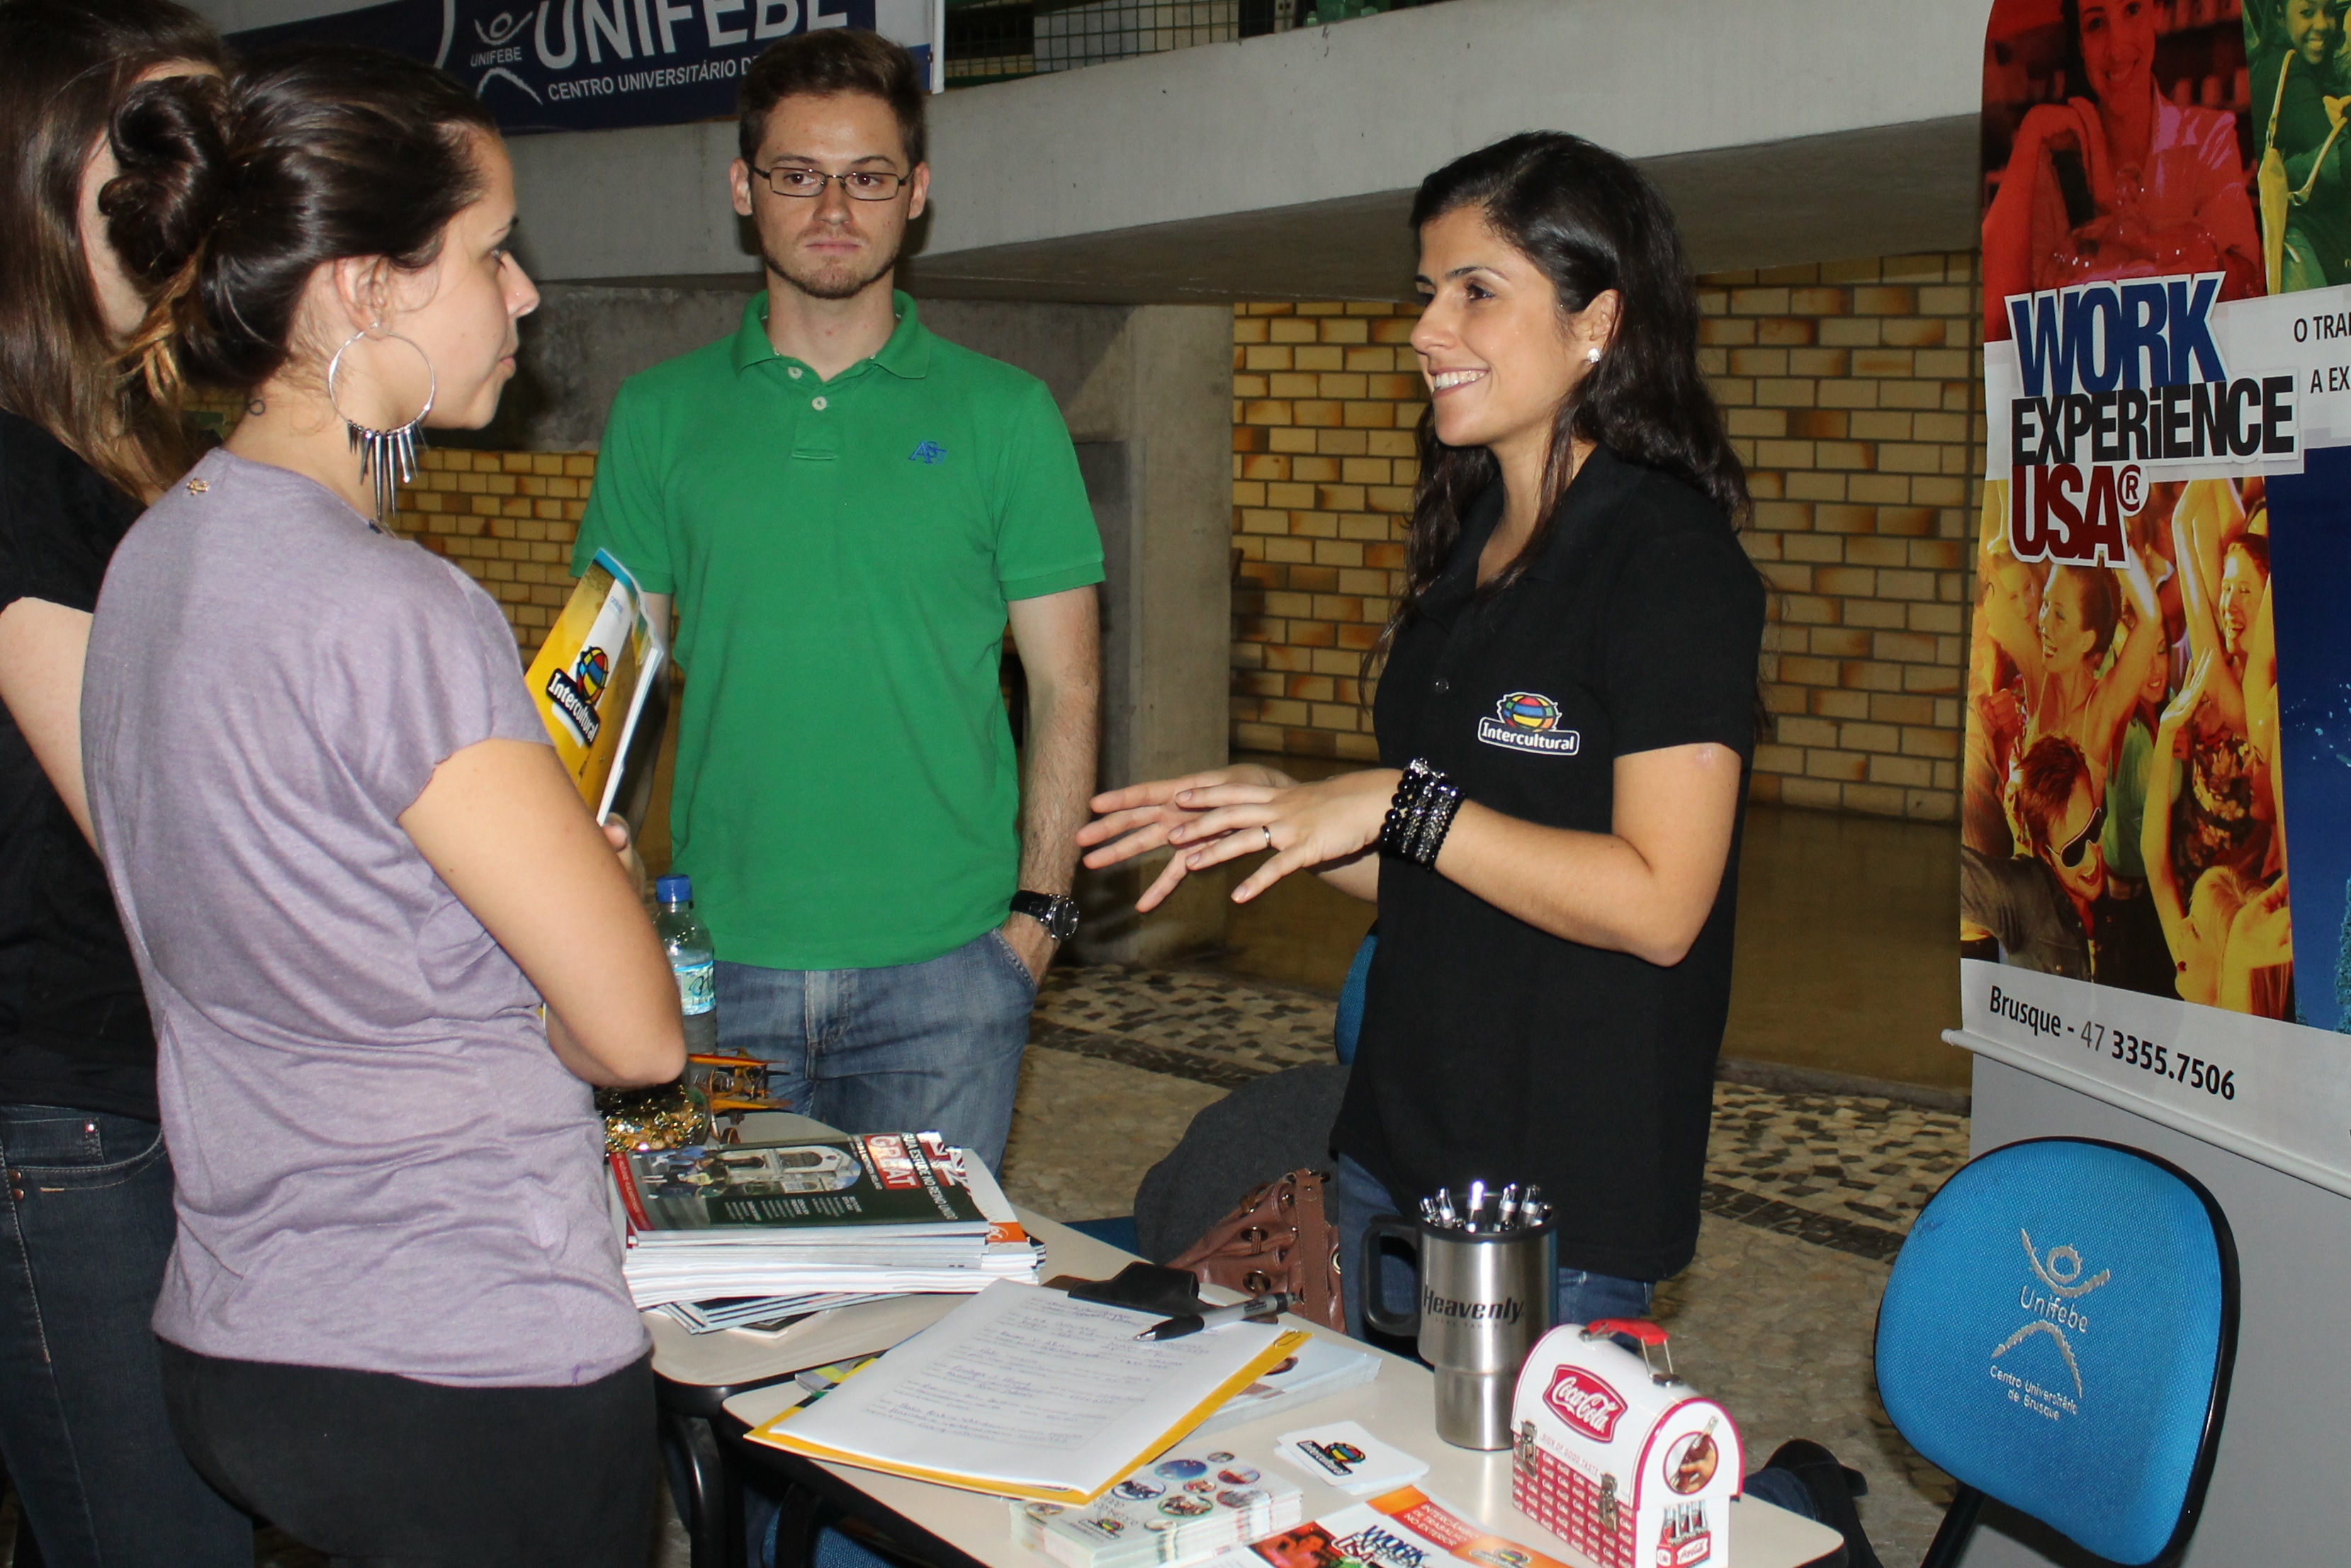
(1483, 1299)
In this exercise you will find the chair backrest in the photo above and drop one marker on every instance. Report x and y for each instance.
(2058, 1335)
(1350, 1025)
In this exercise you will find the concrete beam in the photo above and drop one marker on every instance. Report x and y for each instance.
(1920, 180)
(1370, 106)
(1282, 166)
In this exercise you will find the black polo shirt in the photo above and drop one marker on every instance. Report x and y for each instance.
(73, 1023)
(1493, 1050)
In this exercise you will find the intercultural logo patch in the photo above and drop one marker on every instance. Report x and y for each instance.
(577, 692)
(1529, 721)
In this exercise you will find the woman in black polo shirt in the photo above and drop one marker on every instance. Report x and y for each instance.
(1565, 715)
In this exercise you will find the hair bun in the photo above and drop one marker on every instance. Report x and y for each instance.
(171, 138)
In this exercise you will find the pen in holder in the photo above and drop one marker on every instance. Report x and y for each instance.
(1482, 1299)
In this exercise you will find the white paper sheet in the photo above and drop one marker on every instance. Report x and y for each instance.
(1021, 1385)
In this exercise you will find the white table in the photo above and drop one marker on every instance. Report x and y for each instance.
(961, 1530)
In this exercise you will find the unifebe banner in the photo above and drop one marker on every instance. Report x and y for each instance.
(2156, 820)
(598, 65)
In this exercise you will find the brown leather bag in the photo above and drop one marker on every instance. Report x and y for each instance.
(1281, 1237)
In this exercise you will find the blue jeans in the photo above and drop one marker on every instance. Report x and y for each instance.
(1582, 1296)
(83, 1242)
(933, 1047)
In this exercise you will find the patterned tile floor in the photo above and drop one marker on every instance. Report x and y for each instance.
(1849, 1172)
(1842, 1171)
(1211, 1028)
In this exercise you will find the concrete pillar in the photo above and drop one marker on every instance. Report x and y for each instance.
(1148, 393)
(581, 343)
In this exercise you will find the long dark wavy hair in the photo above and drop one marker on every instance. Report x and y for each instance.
(64, 66)
(1591, 221)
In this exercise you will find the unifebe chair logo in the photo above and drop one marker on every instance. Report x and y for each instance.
(2054, 1317)
(1529, 721)
(1585, 1402)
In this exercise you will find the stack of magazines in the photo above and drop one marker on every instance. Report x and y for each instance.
(738, 1235)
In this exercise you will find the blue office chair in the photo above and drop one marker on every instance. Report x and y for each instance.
(1349, 1027)
(2058, 1335)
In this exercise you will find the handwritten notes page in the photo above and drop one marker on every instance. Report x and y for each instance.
(1023, 1391)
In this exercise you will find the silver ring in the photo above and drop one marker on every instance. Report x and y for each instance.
(1267, 829)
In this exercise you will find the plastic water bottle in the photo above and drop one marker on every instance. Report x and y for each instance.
(691, 959)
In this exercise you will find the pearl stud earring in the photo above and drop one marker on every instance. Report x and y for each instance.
(1592, 356)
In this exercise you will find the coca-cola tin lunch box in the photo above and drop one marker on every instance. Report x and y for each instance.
(1623, 1462)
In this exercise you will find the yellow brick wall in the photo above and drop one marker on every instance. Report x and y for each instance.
(1849, 389)
(507, 518)
(1325, 398)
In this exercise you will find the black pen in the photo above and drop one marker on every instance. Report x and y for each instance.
(1192, 1322)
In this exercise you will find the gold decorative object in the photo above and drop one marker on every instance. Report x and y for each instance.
(667, 1116)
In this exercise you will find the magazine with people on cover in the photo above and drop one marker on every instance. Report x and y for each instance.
(895, 1179)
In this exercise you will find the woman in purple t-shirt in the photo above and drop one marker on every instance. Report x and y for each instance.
(349, 865)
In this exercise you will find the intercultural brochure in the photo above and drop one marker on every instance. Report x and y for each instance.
(600, 690)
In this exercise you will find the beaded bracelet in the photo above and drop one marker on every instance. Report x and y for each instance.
(1419, 814)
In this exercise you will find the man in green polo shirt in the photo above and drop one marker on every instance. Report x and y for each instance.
(847, 511)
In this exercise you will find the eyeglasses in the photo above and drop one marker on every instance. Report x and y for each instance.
(2079, 845)
(861, 184)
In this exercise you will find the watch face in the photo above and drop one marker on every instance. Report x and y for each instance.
(1058, 914)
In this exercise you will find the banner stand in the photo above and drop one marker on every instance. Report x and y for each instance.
(2155, 830)
(2151, 1109)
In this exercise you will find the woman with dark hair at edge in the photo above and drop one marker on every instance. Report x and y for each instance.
(98, 1480)
(387, 949)
(1565, 719)
(2164, 185)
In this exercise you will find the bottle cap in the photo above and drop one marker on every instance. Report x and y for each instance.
(673, 889)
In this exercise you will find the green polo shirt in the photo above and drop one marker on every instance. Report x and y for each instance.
(842, 553)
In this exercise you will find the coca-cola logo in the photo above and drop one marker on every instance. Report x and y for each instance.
(1585, 1402)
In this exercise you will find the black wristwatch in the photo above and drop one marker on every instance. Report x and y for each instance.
(1057, 913)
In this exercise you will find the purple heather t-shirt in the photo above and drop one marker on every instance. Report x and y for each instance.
(381, 1162)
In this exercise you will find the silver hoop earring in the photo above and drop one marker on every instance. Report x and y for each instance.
(388, 457)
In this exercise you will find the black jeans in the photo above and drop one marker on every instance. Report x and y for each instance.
(388, 1472)
(85, 1230)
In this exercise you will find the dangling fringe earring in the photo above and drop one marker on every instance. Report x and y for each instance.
(387, 457)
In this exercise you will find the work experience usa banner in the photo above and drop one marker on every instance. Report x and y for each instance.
(2157, 784)
(593, 65)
